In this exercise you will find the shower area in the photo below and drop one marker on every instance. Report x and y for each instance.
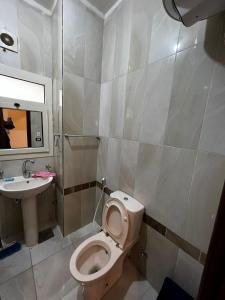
(77, 62)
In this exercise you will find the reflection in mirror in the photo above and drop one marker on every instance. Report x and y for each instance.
(20, 129)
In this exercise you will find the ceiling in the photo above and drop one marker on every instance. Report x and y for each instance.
(103, 5)
(48, 4)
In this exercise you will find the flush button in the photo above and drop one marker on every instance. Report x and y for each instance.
(125, 198)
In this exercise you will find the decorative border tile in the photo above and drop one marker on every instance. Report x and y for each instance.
(79, 187)
(163, 230)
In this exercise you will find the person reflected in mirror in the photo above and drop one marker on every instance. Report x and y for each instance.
(4, 138)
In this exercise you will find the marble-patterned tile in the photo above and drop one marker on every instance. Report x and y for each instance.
(213, 134)
(140, 33)
(72, 212)
(74, 29)
(162, 183)
(117, 107)
(132, 285)
(105, 108)
(155, 256)
(73, 99)
(108, 51)
(135, 89)
(207, 184)
(162, 255)
(147, 174)
(52, 276)
(14, 167)
(187, 273)
(83, 233)
(87, 206)
(91, 107)
(93, 47)
(15, 264)
(151, 294)
(20, 287)
(73, 171)
(171, 198)
(193, 70)
(191, 36)
(129, 155)
(122, 17)
(49, 247)
(89, 163)
(102, 158)
(113, 163)
(34, 30)
(157, 100)
(74, 294)
(164, 34)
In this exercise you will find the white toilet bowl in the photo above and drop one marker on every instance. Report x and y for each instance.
(98, 262)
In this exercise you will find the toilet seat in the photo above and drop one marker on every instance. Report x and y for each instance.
(115, 221)
(88, 247)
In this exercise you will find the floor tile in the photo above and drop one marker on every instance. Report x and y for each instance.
(52, 276)
(49, 247)
(21, 287)
(151, 294)
(15, 264)
(131, 286)
(83, 233)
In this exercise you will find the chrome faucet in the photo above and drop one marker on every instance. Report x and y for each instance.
(27, 173)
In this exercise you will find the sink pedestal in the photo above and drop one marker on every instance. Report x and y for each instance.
(30, 221)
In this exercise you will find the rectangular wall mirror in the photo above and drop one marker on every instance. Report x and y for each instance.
(20, 129)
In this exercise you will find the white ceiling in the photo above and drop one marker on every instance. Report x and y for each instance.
(103, 5)
(48, 4)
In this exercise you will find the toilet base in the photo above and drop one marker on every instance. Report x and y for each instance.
(99, 288)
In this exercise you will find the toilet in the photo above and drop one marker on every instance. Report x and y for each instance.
(97, 263)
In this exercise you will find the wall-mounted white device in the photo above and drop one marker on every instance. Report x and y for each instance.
(8, 41)
(191, 11)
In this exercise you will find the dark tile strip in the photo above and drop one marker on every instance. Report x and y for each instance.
(182, 244)
(154, 224)
(79, 187)
(202, 258)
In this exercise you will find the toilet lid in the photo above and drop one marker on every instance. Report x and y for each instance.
(115, 221)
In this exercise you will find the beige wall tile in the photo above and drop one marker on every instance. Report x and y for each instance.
(159, 81)
(129, 155)
(187, 273)
(193, 71)
(208, 180)
(72, 212)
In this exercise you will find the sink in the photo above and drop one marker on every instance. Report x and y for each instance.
(22, 187)
(26, 189)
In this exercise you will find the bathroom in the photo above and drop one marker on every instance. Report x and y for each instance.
(102, 96)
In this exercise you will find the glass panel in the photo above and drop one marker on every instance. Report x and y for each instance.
(21, 89)
(20, 129)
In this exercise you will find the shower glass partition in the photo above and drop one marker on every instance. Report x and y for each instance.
(77, 78)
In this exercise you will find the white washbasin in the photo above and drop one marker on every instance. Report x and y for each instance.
(26, 189)
(22, 188)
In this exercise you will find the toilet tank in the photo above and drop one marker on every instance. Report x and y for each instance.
(135, 211)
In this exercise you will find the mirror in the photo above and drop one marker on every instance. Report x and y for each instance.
(20, 129)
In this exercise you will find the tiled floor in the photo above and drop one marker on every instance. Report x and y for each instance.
(42, 273)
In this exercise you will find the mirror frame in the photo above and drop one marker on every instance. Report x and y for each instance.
(46, 109)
